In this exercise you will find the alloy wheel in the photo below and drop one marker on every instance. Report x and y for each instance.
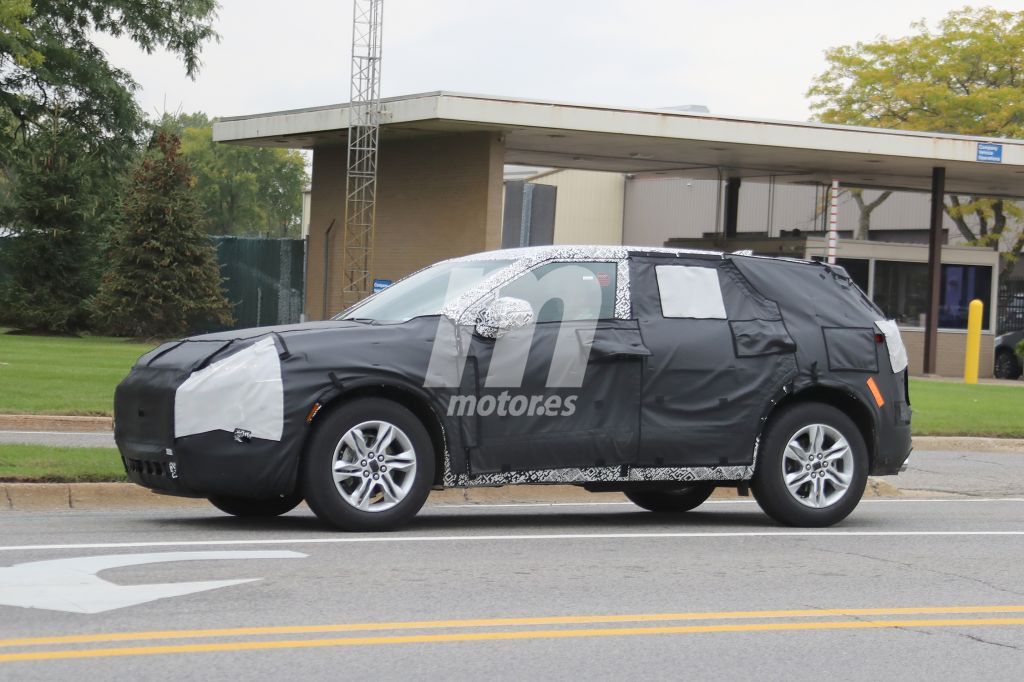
(374, 466)
(817, 466)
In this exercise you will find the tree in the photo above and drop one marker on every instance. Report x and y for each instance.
(51, 212)
(967, 76)
(866, 209)
(244, 190)
(48, 55)
(163, 278)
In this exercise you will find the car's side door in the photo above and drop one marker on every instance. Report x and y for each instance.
(564, 391)
(719, 353)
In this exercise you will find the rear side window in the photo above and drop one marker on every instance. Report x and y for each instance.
(690, 292)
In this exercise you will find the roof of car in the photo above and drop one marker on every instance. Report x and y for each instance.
(592, 251)
(579, 251)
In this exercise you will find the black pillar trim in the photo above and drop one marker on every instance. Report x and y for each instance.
(931, 325)
(732, 206)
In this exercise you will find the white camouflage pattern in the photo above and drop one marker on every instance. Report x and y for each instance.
(465, 309)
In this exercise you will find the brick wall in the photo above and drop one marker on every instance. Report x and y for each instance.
(952, 346)
(437, 197)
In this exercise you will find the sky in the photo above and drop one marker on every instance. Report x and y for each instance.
(739, 57)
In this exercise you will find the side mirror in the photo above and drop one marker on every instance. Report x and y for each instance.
(503, 315)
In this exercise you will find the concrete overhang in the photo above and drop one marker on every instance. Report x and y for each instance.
(661, 142)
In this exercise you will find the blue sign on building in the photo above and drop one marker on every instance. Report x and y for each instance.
(990, 152)
(380, 285)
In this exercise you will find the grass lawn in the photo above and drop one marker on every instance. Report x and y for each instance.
(40, 463)
(63, 375)
(946, 408)
(58, 375)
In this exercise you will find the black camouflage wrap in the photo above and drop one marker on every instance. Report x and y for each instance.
(662, 399)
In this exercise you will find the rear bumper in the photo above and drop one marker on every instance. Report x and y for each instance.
(894, 442)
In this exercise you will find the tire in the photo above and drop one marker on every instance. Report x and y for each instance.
(244, 507)
(672, 501)
(351, 485)
(817, 499)
(1007, 365)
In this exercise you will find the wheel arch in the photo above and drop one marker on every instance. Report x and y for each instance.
(840, 398)
(407, 397)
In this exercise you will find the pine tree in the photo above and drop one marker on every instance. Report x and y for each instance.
(52, 213)
(163, 279)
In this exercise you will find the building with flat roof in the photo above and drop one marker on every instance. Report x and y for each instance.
(442, 160)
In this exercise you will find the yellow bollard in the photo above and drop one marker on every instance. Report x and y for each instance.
(974, 313)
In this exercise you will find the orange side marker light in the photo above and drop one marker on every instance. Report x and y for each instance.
(312, 412)
(879, 400)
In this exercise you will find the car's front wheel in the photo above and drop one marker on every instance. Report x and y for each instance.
(674, 500)
(812, 466)
(369, 466)
(1007, 365)
(244, 507)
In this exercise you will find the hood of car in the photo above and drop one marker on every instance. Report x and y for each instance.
(256, 332)
(1010, 338)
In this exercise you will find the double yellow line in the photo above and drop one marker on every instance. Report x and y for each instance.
(852, 619)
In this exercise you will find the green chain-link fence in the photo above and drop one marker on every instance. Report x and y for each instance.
(263, 279)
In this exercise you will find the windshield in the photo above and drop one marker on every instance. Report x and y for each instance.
(425, 292)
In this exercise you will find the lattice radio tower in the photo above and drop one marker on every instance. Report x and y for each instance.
(363, 139)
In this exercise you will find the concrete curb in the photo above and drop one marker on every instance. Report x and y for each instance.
(54, 423)
(109, 496)
(970, 443)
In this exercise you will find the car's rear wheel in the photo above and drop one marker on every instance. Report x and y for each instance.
(673, 500)
(1007, 365)
(245, 507)
(369, 466)
(812, 466)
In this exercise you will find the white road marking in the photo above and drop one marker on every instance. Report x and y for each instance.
(72, 585)
(384, 539)
(500, 505)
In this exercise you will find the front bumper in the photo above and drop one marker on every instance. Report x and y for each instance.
(244, 448)
(213, 463)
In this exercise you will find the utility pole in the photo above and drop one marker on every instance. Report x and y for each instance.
(363, 140)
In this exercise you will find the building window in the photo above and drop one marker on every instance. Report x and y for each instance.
(901, 290)
(857, 269)
(961, 284)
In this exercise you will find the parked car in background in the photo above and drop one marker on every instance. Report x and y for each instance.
(1008, 363)
(660, 373)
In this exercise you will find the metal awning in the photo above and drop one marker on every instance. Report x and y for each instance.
(664, 142)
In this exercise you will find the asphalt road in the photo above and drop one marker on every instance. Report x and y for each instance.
(903, 589)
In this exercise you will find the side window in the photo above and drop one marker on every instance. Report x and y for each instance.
(691, 292)
(567, 291)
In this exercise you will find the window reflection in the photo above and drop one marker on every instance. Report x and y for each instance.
(901, 290)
